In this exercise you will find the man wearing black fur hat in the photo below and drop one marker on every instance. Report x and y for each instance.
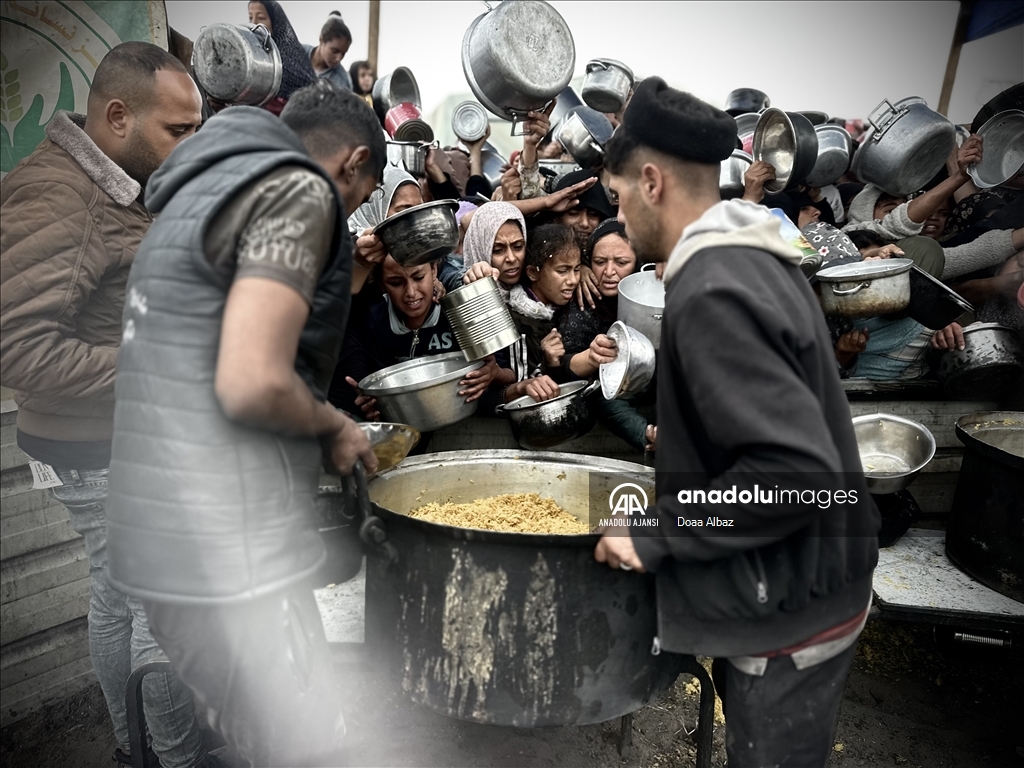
(775, 586)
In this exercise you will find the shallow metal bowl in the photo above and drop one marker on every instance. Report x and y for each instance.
(776, 142)
(892, 449)
(633, 367)
(421, 234)
(423, 392)
(1003, 157)
(391, 442)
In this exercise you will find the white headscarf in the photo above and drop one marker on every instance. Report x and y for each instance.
(487, 220)
(375, 210)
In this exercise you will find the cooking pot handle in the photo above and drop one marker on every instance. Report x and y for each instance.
(891, 114)
(850, 291)
(595, 65)
(591, 387)
(264, 35)
(519, 117)
(648, 266)
(371, 530)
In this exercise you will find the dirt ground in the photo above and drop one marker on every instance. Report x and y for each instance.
(909, 701)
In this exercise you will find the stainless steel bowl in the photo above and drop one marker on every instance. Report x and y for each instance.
(633, 367)
(1003, 157)
(424, 392)
(537, 426)
(391, 442)
(834, 144)
(892, 449)
(788, 142)
(421, 234)
(730, 179)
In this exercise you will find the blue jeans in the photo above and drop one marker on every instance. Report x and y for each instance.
(119, 636)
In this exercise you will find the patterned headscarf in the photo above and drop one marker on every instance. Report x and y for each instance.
(375, 210)
(297, 69)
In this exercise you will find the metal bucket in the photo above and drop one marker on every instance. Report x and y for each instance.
(642, 303)
(480, 319)
(511, 628)
(237, 63)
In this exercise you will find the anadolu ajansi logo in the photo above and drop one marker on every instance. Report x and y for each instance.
(627, 498)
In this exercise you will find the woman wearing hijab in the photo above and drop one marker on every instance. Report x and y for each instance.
(297, 71)
(495, 246)
(583, 331)
(398, 192)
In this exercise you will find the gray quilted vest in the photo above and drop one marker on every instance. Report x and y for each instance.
(202, 509)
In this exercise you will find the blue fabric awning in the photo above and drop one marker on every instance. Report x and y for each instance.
(991, 16)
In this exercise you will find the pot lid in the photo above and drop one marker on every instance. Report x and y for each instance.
(864, 270)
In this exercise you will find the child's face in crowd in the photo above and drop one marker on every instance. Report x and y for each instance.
(556, 281)
(411, 289)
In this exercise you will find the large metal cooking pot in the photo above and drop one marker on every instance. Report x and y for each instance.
(1003, 158)
(991, 362)
(834, 145)
(423, 392)
(237, 63)
(906, 145)
(985, 533)
(422, 233)
(511, 628)
(787, 141)
(517, 58)
(583, 134)
(607, 84)
(730, 178)
(866, 288)
(933, 303)
(746, 100)
(480, 318)
(892, 450)
(642, 303)
(395, 88)
(549, 423)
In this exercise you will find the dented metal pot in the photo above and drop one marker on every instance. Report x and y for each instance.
(511, 628)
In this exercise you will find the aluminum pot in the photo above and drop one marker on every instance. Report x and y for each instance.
(480, 319)
(787, 141)
(746, 100)
(834, 145)
(633, 367)
(991, 362)
(393, 89)
(421, 234)
(642, 303)
(1003, 137)
(422, 392)
(493, 165)
(906, 145)
(730, 179)
(469, 121)
(237, 63)
(549, 423)
(511, 628)
(817, 118)
(607, 84)
(566, 101)
(892, 449)
(932, 303)
(583, 134)
(517, 58)
(866, 288)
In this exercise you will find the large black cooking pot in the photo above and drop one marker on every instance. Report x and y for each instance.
(985, 535)
(505, 628)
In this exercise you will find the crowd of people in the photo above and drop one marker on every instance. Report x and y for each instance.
(221, 261)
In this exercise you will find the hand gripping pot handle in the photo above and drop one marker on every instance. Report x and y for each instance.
(519, 119)
(849, 291)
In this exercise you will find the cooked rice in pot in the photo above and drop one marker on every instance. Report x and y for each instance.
(511, 512)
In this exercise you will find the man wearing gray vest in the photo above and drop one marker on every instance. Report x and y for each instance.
(237, 305)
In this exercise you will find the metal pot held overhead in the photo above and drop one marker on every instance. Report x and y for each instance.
(907, 144)
(787, 141)
(834, 145)
(420, 234)
(237, 63)
(1003, 137)
(866, 288)
(517, 58)
(398, 87)
(607, 85)
(746, 100)
(583, 134)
